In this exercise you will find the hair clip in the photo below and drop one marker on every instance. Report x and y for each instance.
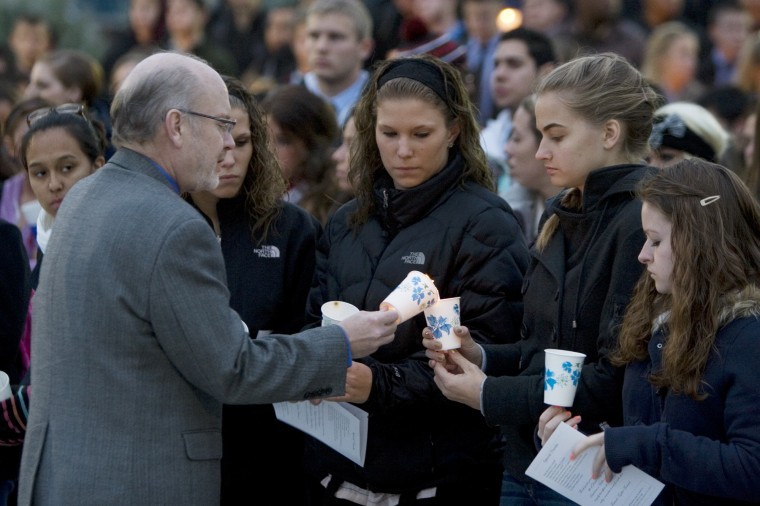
(709, 200)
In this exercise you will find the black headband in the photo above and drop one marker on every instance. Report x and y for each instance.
(670, 131)
(418, 70)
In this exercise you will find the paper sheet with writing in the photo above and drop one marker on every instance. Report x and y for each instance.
(339, 425)
(553, 467)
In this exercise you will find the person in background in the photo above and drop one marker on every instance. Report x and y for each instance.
(595, 116)
(338, 41)
(30, 37)
(145, 327)
(483, 35)
(747, 76)
(145, 32)
(685, 130)
(269, 254)
(342, 159)
(186, 22)
(729, 26)
(303, 131)
(521, 58)
(670, 62)
(526, 170)
(424, 201)
(238, 27)
(69, 76)
(751, 173)
(689, 343)
(18, 204)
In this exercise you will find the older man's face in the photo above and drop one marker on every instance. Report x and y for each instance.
(210, 139)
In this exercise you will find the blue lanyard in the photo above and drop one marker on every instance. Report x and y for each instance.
(166, 175)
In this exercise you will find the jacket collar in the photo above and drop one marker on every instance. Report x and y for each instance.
(604, 184)
(400, 208)
(137, 162)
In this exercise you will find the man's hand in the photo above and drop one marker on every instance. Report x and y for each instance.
(358, 384)
(368, 330)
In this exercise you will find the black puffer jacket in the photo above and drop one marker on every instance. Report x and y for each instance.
(468, 241)
(575, 295)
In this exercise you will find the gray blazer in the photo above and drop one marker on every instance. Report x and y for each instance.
(135, 349)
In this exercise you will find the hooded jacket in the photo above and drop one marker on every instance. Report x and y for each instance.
(574, 296)
(708, 451)
(468, 241)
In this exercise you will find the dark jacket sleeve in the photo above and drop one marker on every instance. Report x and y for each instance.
(14, 297)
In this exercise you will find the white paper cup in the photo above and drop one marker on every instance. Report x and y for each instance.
(5, 387)
(561, 375)
(335, 311)
(412, 296)
(442, 317)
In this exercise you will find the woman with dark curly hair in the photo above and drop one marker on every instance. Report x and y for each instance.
(424, 201)
(269, 253)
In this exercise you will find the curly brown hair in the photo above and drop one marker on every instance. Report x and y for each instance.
(264, 183)
(716, 251)
(457, 109)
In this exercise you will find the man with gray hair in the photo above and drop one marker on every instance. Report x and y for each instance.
(135, 346)
(338, 41)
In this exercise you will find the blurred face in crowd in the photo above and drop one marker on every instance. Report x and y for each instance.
(234, 167)
(543, 15)
(413, 140)
(513, 75)
(521, 152)
(290, 150)
(143, 17)
(55, 162)
(279, 29)
(480, 18)
(341, 155)
(336, 53)
(44, 84)
(657, 254)
(29, 41)
(679, 63)
(729, 31)
(184, 17)
(665, 157)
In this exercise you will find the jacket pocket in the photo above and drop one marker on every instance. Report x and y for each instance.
(203, 444)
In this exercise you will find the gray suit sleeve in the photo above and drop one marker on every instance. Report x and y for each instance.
(205, 341)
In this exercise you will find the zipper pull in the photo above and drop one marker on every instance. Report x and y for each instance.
(575, 324)
(385, 199)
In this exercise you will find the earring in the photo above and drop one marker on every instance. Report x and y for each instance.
(451, 144)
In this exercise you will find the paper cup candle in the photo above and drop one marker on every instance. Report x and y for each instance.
(561, 375)
(416, 293)
(442, 317)
(335, 311)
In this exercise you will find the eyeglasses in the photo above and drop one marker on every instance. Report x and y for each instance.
(34, 116)
(226, 124)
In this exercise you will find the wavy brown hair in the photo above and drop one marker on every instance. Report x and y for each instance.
(600, 88)
(264, 183)
(457, 109)
(716, 250)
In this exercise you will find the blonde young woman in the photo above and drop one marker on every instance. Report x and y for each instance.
(595, 115)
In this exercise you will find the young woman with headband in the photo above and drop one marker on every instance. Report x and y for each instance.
(424, 201)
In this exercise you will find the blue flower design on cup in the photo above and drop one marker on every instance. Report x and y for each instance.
(439, 325)
(570, 374)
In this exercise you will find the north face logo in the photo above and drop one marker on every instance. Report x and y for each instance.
(267, 251)
(414, 257)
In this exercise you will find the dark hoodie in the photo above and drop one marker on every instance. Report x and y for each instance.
(574, 295)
